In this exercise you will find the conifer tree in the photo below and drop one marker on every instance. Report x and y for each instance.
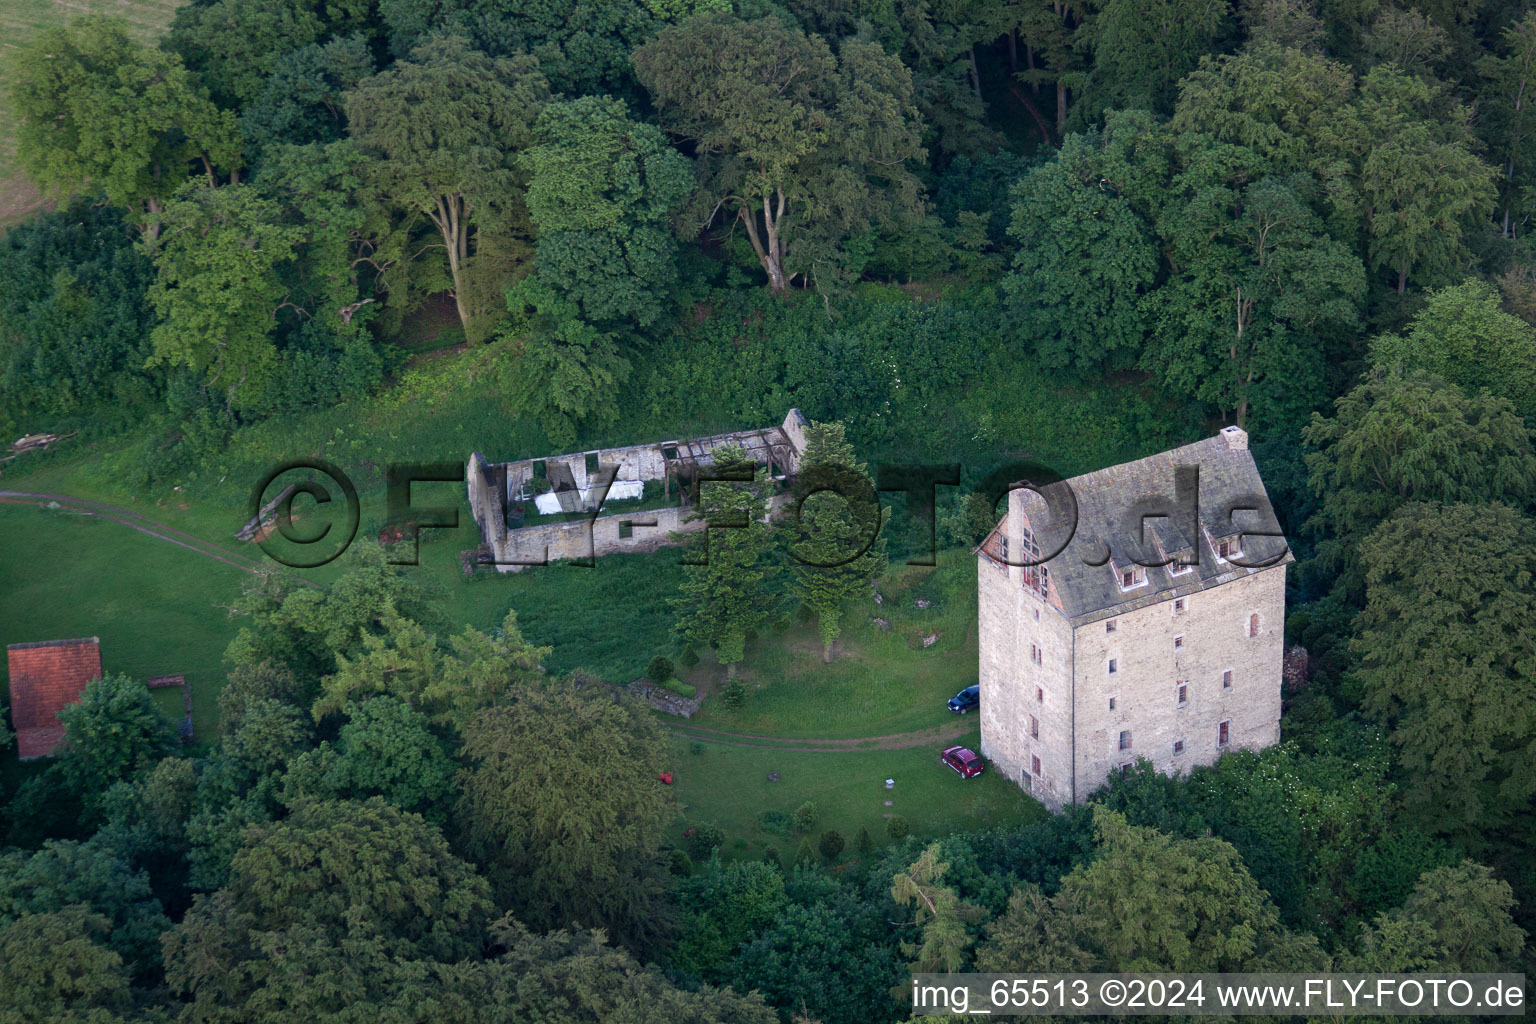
(724, 591)
(837, 543)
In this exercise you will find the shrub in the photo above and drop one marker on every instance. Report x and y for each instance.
(775, 823)
(804, 817)
(771, 856)
(781, 625)
(689, 657)
(805, 855)
(679, 687)
(706, 837)
(831, 843)
(863, 844)
(896, 828)
(679, 863)
(660, 669)
(734, 696)
(695, 747)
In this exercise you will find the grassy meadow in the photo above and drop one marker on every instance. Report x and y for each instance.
(728, 786)
(159, 609)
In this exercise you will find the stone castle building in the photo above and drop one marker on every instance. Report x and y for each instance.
(1150, 626)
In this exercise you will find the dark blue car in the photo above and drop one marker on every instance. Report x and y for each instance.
(966, 699)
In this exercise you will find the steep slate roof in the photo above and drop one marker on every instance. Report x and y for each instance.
(46, 678)
(1110, 503)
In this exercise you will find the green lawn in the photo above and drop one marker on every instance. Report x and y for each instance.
(20, 21)
(729, 786)
(157, 608)
(881, 681)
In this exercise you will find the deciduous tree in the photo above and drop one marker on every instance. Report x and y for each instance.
(1446, 658)
(569, 372)
(1142, 49)
(1400, 437)
(562, 807)
(100, 112)
(602, 191)
(320, 912)
(1508, 111)
(217, 253)
(55, 967)
(442, 131)
(1423, 186)
(1462, 335)
(1258, 289)
(1086, 249)
(112, 733)
(802, 147)
(235, 44)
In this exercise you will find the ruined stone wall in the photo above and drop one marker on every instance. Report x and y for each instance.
(587, 538)
(493, 487)
(486, 502)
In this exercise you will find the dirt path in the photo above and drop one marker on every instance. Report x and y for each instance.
(895, 741)
(149, 527)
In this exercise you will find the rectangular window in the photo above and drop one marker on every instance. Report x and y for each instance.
(1225, 734)
(1039, 695)
(626, 529)
(1224, 548)
(1037, 614)
(1028, 785)
(1183, 694)
(1226, 680)
(1111, 666)
(1111, 703)
(1109, 626)
(1178, 604)
(1125, 770)
(1178, 641)
(1034, 727)
(1034, 764)
(1125, 739)
(1178, 746)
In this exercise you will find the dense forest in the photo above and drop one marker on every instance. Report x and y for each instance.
(944, 226)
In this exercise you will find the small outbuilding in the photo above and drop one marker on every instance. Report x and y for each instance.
(46, 678)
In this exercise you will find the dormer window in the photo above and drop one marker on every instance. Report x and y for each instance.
(1176, 568)
(1131, 578)
(1229, 548)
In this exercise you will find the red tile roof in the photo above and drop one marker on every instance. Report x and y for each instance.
(46, 678)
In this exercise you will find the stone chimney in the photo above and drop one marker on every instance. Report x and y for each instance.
(1237, 438)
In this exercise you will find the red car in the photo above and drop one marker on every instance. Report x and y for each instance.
(963, 760)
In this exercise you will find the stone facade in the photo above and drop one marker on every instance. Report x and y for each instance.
(1080, 677)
